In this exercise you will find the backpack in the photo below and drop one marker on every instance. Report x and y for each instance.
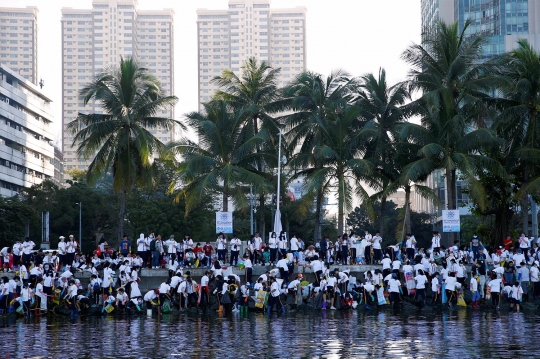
(153, 245)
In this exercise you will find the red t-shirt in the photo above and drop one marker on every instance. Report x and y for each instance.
(208, 249)
(197, 250)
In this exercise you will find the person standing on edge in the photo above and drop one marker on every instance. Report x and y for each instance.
(221, 244)
(125, 246)
(203, 300)
(208, 250)
(257, 255)
(410, 245)
(17, 253)
(323, 249)
(525, 245)
(236, 245)
(141, 251)
(155, 250)
(27, 247)
(273, 245)
(377, 248)
(71, 248)
(148, 252)
(368, 239)
(436, 242)
(248, 268)
(294, 246)
(282, 245)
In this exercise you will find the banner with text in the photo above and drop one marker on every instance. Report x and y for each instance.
(224, 222)
(450, 220)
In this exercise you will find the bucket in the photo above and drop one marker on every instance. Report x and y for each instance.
(149, 312)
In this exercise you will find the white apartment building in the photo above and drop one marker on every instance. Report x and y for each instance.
(26, 134)
(95, 38)
(18, 41)
(249, 28)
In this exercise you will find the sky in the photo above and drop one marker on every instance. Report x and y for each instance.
(358, 36)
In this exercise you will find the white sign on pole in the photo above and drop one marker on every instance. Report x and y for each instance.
(451, 221)
(224, 222)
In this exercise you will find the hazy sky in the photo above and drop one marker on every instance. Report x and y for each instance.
(358, 36)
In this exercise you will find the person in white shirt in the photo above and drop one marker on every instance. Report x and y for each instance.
(17, 253)
(141, 247)
(203, 300)
(515, 296)
(410, 246)
(450, 288)
(283, 267)
(121, 299)
(71, 248)
(275, 296)
(436, 242)
(368, 242)
(236, 245)
(282, 245)
(330, 292)
(386, 265)
(394, 286)
(435, 288)
(107, 280)
(248, 268)
(27, 247)
(495, 286)
(535, 279)
(26, 295)
(377, 249)
(474, 290)
(257, 255)
(273, 245)
(421, 281)
(295, 246)
(221, 244)
(525, 245)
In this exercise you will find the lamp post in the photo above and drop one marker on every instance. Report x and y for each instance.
(251, 208)
(80, 225)
(281, 127)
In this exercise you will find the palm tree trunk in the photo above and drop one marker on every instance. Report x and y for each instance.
(341, 204)
(225, 200)
(318, 205)
(381, 216)
(525, 204)
(407, 219)
(262, 228)
(451, 198)
(121, 215)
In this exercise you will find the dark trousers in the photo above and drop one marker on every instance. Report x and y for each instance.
(148, 257)
(344, 254)
(142, 254)
(273, 252)
(221, 254)
(367, 254)
(249, 273)
(536, 289)
(410, 254)
(495, 299)
(155, 259)
(234, 258)
(377, 253)
(26, 259)
(284, 274)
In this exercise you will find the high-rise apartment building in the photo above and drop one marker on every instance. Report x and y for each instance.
(26, 133)
(502, 22)
(93, 39)
(18, 41)
(249, 28)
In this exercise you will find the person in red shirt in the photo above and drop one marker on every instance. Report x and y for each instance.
(208, 250)
(508, 242)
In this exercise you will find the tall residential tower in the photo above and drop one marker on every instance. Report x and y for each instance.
(18, 41)
(95, 38)
(249, 28)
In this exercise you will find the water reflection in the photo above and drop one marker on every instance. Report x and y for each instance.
(459, 333)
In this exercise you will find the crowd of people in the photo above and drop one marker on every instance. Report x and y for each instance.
(508, 273)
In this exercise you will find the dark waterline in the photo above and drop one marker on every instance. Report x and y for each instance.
(455, 334)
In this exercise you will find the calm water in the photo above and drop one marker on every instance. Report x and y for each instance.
(454, 334)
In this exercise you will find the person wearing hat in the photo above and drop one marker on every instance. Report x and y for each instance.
(436, 242)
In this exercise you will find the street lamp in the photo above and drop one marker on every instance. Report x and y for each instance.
(80, 224)
(277, 222)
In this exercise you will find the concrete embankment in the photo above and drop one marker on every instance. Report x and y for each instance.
(152, 278)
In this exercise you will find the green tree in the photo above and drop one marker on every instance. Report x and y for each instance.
(14, 215)
(120, 140)
(256, 94)
(381, 110)
(447, 70)
(224, 161)
(518, 122)
(312, 98)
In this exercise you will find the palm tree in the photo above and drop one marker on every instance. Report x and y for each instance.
(256, 94)
(223, 161)
(453, 83)
(311, 98)
(120, 140)
(380, 108)
(518, 122)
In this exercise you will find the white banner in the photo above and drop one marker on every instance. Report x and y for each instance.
(450, 221)
(224, 222)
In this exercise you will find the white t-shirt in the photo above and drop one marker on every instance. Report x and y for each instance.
(386, 263)
(221, 243)
(394, 285)
(523, 242)
(421, 281)
(377, 242)
(495, 285)
(294, 244)
(450, 283)
(435, 285)
(396, 264)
